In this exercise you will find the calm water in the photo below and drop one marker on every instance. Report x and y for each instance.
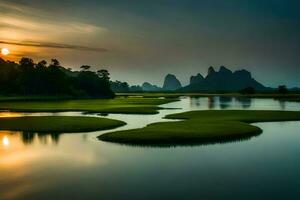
(78, 166)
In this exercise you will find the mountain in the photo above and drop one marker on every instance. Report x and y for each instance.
(196, 79)
(295, 89)
(149, 87)
(171, 83)
(223, 80)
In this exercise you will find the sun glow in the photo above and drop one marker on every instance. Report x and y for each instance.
(4, 51)
(5, 141)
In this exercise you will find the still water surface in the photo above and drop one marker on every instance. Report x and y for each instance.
(78, 166)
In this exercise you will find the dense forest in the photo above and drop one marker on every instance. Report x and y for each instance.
(29, 78)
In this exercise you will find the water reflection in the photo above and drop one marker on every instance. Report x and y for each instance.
(29, 137)
(244, 102)
(74, 166)
(5, 141)
(136, 121)
(211, 102)
(195, 102)
(10, 114)
(225, 102)
(282, 104)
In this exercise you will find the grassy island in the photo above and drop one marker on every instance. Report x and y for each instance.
(126, 105)
(200, 127)
(58, 124)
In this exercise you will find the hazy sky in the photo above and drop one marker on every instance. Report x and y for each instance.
(141, 41)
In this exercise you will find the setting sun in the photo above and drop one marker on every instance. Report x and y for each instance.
(4, 51)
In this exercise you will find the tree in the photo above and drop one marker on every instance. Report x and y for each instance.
(103, 74)
(55, 62)
(248, 90)
(39, 79)
(282, 89)
(85, 67)
(41, 65)
(26, 64)
(135, 88)
(118, 86)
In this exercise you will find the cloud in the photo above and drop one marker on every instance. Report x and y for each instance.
(19, 22)
(53, 45)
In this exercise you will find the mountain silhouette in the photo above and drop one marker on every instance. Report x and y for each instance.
(171, 83)
(149, 87)
(222, 80)
(196, 79)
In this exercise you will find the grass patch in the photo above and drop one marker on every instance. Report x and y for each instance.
(58, 124)
(200, 127)
(128, 105)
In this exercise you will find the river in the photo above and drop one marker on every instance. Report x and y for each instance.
(79, 166)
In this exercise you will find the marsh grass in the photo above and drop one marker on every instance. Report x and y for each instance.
(133, 105)
(200, 127)
(58, 124)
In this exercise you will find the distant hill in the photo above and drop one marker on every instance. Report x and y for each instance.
(223, 80)
(149, 87)
(171, 83)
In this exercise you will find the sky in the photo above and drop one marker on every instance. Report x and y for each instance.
(141, 41)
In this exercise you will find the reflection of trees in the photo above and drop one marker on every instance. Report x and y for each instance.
(42, 139)
(225, 102)
(282, 104)
(28, 137)
(55, 137)
(211, 103)
(244, 101)
(195, 102)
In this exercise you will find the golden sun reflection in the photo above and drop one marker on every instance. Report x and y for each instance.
(9, 114)
(5, 141)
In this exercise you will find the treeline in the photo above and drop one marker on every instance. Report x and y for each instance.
(29, 78)
(123, 87)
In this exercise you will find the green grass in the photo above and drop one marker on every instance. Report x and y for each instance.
(58, 124)
(134, 105)
(200, 127)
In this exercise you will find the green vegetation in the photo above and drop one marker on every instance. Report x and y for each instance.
(58, 124)
(27, 78)
(200, 127)
(118, 105)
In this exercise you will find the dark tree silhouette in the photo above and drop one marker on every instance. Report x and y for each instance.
(85, 67)
(40, 79)
(248, 90)
(26, 64)
(282, 89)
(41, 65)
(55, 62)
(118, 86)
(103, 74)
